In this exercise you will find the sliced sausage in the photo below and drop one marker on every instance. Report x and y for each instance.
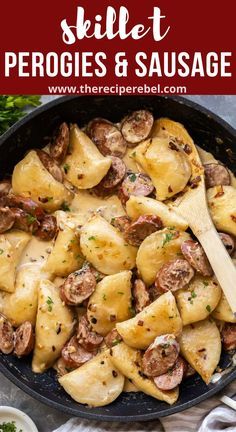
(121, 222)
(87, 338)
(135, 184)
(137, 126)
(7, 219)
(24, 339)
(61, 368)
(172, 378)
(74, 355)
(26, 204)
(107, 137)
(24, 221)
(188, 369)
(48, 228)
(113, 338)
(195, 255)
(141, 295)
(161, 355)
(78, 286)
(229, 336)
(60, 143)
(50, 164)
(6, 335)
(5, 187)
(228, 242)
(216, 174)
(113, 178)
(144, 226)
(174, 275)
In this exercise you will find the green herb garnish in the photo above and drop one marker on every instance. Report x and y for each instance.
(132, 177)
(11, 108)
(167, 238)
(31, 219)
(1, 251)
(92, 238)
(66, 168)
(65, 207)
(49, 302)
(208, 308)
(9, 427)
(104, 297)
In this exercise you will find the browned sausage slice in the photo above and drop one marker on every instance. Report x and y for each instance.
(229, 336)
(112, 338)
(24, 221)
(228, 242)
(6, 335)
(51, 165)
(74, 355)
(87, 338)
(195, 255)
(161, 355)
(24, 339)
(135, 184)
(107, 137)
(216, 174)
(48, 228)
(78, 286)
(172, 378)
(142, 228)
(141, 295)
(7, 219)
(60, 143)
(5, 187)
(26, 204)
(174, 275)
(121, 222)
(137, 126)
(113, 178)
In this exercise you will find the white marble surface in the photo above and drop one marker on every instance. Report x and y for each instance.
(47, 418)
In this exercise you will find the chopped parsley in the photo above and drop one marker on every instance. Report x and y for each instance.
(92, 238)
(49, 199)
(167, 238)
(120, 292)
(193, 294)
(104, 297)
(133, 154)
(66, 168)
(1, 251)
(208, 308)
(9, 427)
(132, 177)
(31, 219)
(65, 207)
(205, 283)
(49, 302)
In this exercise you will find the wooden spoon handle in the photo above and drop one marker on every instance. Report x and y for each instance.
(220, 261)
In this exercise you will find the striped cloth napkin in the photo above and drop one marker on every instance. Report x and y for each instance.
(204, 417)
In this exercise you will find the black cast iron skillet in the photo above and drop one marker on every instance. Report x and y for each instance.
(210, 132)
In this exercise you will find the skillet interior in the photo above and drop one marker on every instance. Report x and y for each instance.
(211, 133)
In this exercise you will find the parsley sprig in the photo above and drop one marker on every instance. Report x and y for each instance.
(12, 108)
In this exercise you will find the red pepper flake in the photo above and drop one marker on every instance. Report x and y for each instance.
(187, 149)
(233, 218)
(220, 192)
(112, 318)
(170, 189)
(173, 146)
(194, 182)
(140, 323)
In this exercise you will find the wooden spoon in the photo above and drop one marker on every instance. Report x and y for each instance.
(191, 204)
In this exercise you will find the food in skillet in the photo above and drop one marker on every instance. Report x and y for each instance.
(99, 277)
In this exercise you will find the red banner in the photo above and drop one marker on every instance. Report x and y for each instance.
(85, 47)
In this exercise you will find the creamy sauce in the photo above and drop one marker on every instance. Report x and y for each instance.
(37, 251)
(86, 205)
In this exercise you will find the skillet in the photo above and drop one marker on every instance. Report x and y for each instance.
(211, 133)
